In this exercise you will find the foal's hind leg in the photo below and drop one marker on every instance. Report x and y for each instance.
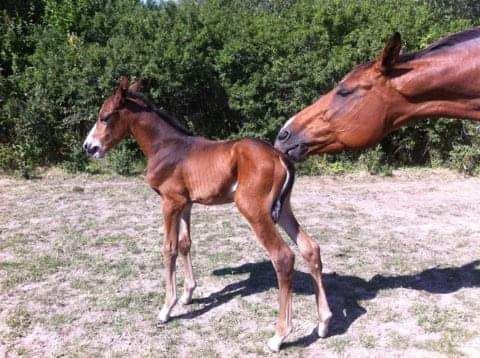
(184, 244)
(172, 211)
(282, 258)
(311, 253)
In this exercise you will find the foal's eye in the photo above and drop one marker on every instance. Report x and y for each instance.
(108, 118)
(344, 92)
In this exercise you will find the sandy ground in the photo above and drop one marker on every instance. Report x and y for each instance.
(81, 270)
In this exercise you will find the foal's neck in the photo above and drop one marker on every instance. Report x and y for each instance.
(153, 134)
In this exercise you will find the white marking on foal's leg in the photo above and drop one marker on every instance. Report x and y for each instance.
(322, 329)
(324, 313)
(275, 342)
(170, 302)
(164, 314)
(190, 283)
(170, 299)
(186, 298)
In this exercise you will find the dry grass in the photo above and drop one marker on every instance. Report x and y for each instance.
(81, 271)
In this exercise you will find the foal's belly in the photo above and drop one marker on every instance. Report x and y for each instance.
(214, 201)
(213, 194)
(210, 174)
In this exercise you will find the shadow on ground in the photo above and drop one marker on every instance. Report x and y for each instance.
(344, 292)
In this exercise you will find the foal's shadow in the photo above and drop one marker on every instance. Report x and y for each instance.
(344, 292)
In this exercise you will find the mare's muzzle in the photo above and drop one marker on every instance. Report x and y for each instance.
(291, 145)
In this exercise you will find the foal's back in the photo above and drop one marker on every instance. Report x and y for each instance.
(212, 171)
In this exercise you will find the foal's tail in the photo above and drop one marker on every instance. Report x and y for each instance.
(286, 188)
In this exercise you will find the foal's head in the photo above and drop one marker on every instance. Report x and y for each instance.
(111, 125)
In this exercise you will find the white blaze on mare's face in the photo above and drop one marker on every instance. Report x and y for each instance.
(288, 123)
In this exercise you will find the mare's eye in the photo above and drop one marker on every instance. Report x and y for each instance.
(344, 92)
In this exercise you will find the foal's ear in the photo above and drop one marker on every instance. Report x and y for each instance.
(123, 85)
(389, 56)
(121, 91)
(136, 86)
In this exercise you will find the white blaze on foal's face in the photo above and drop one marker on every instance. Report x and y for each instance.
(111, 125)
(92, 144)
(109, 129)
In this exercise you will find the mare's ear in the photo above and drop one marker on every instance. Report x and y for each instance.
(389, 56)
(136, 86)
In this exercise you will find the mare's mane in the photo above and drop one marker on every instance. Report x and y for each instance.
(434, 48)
(164, 115)
(442, 44)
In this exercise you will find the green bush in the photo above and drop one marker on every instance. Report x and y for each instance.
(328, 165)
(124, 159)
(76, 161)
(8, 158)
(374, 162)
(226, 68)
(466, 159)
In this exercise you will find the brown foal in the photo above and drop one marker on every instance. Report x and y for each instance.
(378, 97)
(185, 169)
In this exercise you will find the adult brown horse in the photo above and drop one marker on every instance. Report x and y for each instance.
(378, 97)
(185, 169)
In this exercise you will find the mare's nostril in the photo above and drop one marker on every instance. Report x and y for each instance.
(283, 135)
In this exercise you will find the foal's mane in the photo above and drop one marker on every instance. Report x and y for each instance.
(164, 115)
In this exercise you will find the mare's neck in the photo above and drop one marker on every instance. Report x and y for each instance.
(435, 87)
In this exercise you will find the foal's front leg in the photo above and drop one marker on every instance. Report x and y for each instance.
(172, 211)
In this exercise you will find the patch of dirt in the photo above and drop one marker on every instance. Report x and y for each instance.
(81, 270)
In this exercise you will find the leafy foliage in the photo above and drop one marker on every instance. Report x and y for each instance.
(226, 68)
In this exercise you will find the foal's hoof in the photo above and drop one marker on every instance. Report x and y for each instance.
(274, 343)
(323, 328)
(186, 299)
(163, 316)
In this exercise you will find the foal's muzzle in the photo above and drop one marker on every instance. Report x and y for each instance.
(91, 149)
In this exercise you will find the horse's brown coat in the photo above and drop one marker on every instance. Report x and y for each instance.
(185, 169)
(376, 98)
